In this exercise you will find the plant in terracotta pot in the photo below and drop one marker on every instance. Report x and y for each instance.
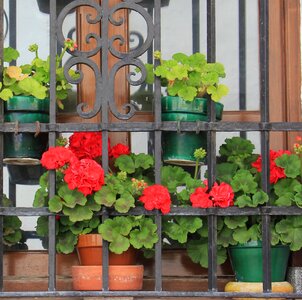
(187, 79)
(82, 190)
(25, 92)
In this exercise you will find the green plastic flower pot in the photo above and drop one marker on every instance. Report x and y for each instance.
(25, 109)
(178, 147)
(246, 261)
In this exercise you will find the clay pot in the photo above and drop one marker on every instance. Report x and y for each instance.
(121, 278)
(89, 249)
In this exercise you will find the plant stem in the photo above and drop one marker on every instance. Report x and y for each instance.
(196, 168)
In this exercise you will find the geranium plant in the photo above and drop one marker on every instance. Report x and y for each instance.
(242, 170)
(34, 78)
(188, 76)
(82, 189)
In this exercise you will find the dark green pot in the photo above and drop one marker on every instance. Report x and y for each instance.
(25, 109)
(246, 261)
(178, 148)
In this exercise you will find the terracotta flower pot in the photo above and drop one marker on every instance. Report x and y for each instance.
(89, 249)
(120, 278)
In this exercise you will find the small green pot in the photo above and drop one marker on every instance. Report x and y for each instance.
(25, 109)
(178, 147)
(246, 261)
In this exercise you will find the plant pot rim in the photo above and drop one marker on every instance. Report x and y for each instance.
(255, 244)
(89, 240)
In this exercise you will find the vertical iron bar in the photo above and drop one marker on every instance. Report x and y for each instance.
(264, 100)
(12, 192)
(242, 57)
(104, 112)
(157, 146)
(211, 150)
(196, 25)
(1, 145)
(52, 140)
(12, 24)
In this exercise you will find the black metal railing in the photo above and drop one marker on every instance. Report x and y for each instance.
(105, 103)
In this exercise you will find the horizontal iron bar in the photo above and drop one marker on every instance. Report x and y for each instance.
(175, 211)
(148, 294)
(152, 126)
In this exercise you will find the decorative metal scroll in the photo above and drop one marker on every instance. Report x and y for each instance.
(105, 78)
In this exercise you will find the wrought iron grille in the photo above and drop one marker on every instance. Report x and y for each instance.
(105, 102)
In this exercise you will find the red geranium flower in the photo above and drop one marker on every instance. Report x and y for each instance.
(200, 198)
(276, 172)
(86, 175)
(87, 144)
(119, 149)
(222, 195)
(57, 157)
(156, 197)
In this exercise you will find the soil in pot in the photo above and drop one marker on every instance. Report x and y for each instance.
(121, 278)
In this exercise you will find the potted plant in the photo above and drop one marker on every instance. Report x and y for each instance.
(82, 190)
(25, 92)
(187, 79)
(239, 184)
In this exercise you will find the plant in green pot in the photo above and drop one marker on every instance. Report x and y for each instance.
(188, 79)
(241, 235)
(25, 92)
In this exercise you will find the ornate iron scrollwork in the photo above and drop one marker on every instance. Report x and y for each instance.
(104, 77)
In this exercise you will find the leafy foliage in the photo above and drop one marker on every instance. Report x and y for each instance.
(33, 78)
(189, 76)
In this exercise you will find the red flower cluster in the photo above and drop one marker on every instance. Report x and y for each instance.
(86, 144)
(119, 149)
(276, 172)
(220, 195)
(86, 175)
(77, 161)
(156, 197)
(57, 157)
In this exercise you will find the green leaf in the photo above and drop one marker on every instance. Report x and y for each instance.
(143, 160)
(124, 203)
(244, 181)
(290, 230)
(217, 92)
(6, 94)
(71, 197)
(290, 163)
(32, 86)
(144, 236)
(188, 93)
(41, 198)
(10, 54)
(180, 227)
(125, 163)
(285, 200)
(78, 213)
(285, 186)
(235, 221)
(42, 226)
(172, 177)
(105, 196)
(55, 204)
(198, 252)
(66, 242)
